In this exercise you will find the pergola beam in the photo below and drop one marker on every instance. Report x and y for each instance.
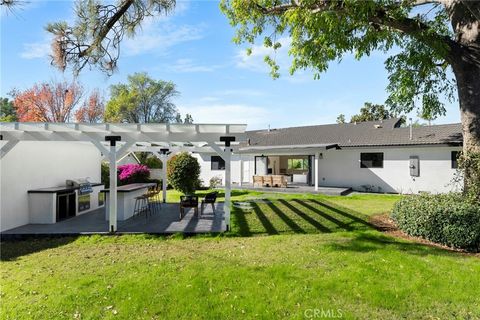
(124, 150)
(127, 137)
(123, 127)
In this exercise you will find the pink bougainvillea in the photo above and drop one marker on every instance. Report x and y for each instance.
(131, 173)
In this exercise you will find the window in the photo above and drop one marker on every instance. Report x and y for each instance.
(217, 163)
(455, 155)
(298, 164)
(371, 160)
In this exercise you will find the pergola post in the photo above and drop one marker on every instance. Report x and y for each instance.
(228, 185)
(241, 171)
(317, 156)
(164, 158)
(112, 215)
(227, 156)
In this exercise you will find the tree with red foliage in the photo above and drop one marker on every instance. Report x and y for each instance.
(92, 109)
(47, 102)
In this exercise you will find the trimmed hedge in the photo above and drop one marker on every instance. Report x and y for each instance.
(447, 219)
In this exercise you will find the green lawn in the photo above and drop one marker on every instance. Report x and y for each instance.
(287, 256)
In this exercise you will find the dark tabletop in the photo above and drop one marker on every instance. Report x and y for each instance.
(133, 187)
(60, 189)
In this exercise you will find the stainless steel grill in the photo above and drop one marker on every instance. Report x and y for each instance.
(84, 186)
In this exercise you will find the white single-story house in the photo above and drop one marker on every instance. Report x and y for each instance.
(373, 156)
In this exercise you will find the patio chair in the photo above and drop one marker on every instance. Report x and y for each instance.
(279, 181)
(258, 181)
(188, 202)
(210, 198)
(267, 181)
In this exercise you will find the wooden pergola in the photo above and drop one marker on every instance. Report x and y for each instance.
(115, 140)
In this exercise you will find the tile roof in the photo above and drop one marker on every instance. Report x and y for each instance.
(362, 134)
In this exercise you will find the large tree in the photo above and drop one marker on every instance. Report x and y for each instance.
(142, 100)
(434, 36)
(92, 109)
(47, 102)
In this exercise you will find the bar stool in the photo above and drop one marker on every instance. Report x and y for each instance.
(142, 205)
(154, 197)
(152, 202)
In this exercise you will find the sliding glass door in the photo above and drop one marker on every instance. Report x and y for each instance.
(261, 165)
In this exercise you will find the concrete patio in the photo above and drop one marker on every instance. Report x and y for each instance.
(298, 188)
(166, 221)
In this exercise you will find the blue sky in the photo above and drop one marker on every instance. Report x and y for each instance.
(218, 82)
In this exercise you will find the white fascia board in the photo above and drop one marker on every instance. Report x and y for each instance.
(287, 149)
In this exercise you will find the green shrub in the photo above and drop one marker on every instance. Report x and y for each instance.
(447, 219)
(105, 174)
(183, 173)
(153, 162)
(215, 182)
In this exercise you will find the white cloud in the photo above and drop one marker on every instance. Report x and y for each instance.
(188, 65)
(209, 99)
(36, 50)
(228, 113)
(181, 6)
(241, 92)
(160, 35)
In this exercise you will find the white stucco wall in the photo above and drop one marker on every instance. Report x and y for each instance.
(342, 168)
(34, 165)
(205, 168)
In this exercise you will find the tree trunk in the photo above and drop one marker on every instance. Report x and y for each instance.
(467, 75)
(464, 58)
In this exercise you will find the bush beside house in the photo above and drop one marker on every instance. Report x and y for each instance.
(447, 219)
(183, 172)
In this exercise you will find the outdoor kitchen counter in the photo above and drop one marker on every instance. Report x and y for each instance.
(59, 189)
(126, 199)
(51, 205)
